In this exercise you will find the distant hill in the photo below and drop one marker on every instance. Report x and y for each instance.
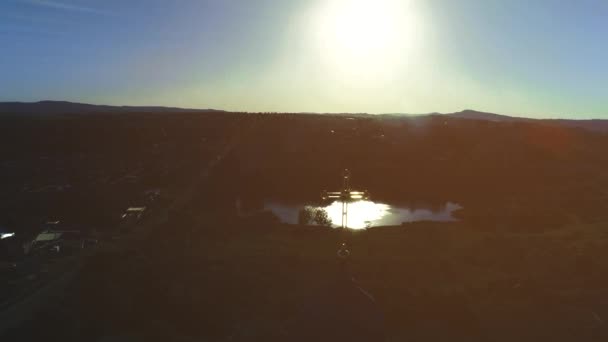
(64, 107)
(592, 124)
(475, 115)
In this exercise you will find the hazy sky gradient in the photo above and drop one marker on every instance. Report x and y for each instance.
(540, 58)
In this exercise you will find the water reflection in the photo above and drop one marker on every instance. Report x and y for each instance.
(364, 214)
(361, 214)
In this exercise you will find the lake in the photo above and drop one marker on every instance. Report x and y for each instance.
(364, 214)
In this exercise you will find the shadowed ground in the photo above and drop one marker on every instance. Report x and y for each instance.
(432, 282)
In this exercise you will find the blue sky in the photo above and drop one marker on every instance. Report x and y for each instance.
(543, 58)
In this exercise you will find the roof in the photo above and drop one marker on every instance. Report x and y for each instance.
(47, 236)
(6, 235)
(51, 235)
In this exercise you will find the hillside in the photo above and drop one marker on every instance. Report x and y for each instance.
(64, 107)
(599, 125)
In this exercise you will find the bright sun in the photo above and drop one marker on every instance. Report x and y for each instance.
(366, 36)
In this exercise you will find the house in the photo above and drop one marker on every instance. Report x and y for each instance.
(134, 213)
(56, 240)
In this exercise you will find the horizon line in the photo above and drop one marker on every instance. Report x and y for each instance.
(515, 116)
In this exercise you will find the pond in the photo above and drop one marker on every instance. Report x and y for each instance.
(365, 214)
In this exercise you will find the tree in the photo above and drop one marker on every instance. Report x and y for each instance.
(322, 218)
(305, 215)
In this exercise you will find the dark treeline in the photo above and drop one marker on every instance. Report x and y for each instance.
(502, 173)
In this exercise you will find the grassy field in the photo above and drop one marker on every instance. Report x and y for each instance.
(245, 281)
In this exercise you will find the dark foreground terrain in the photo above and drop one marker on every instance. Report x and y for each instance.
(528, 260)
(245, 282)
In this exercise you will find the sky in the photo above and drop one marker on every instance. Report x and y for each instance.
(541, 58)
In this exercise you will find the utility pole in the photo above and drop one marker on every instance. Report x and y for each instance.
(345, 196)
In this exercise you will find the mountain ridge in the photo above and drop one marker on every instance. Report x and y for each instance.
(51, 107)
(67, 107)
(598, 125)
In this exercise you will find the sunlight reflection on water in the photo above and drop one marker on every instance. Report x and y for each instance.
(364, 214)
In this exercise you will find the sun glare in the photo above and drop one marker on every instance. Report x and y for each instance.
(366, 36)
